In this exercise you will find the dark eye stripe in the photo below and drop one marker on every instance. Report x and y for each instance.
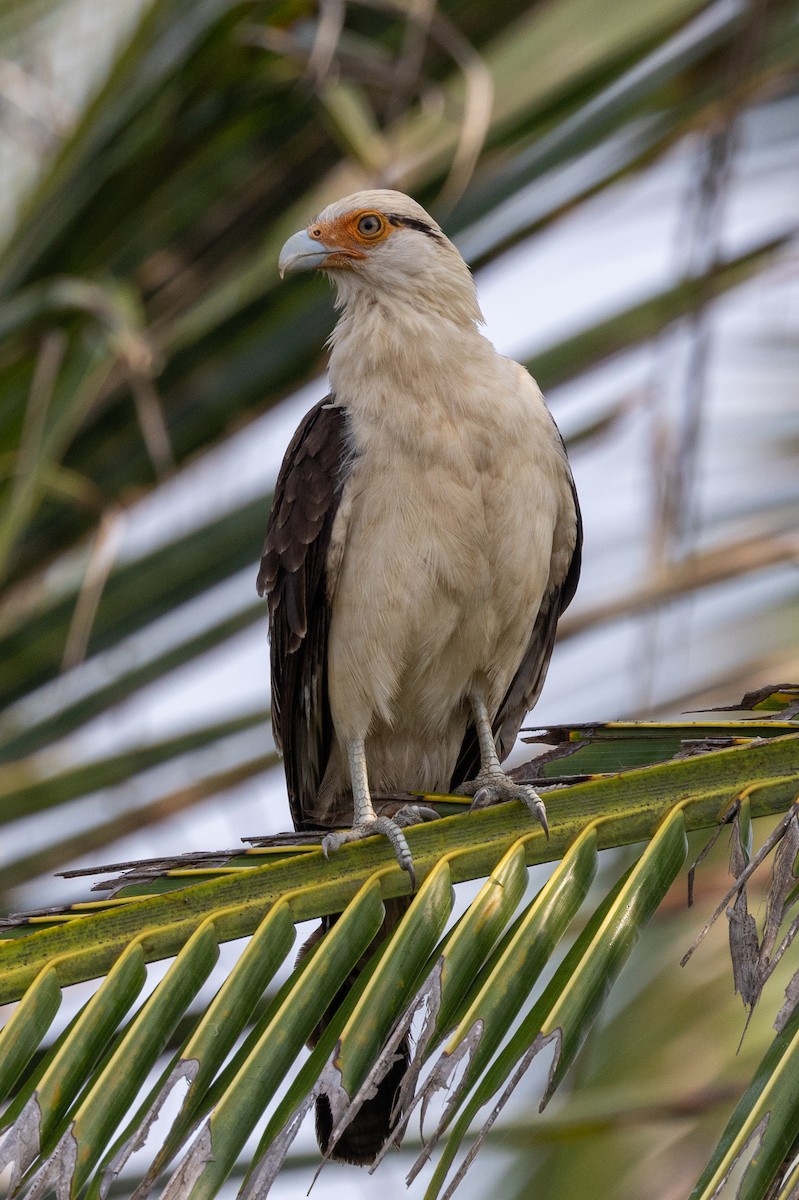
(412, 223)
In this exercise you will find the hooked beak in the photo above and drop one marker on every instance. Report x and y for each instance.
(302, 253)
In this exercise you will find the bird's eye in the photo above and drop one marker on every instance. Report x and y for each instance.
(370, 225)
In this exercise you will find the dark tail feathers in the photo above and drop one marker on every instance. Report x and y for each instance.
(366, 1134)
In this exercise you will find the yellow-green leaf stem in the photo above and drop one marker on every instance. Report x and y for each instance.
(632, 805)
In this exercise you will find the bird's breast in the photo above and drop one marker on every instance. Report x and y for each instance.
(443, 554)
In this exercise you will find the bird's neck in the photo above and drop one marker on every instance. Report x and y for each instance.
(383, 347)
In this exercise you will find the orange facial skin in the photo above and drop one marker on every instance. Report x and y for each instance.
(349, 237)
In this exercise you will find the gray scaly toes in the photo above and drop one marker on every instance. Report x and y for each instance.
(490, 789)
(390, 827)
(414, 814)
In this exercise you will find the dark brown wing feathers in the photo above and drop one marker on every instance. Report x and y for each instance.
(293, 577)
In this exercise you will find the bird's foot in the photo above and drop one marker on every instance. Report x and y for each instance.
(408, 814)
(495, 787)
(390, 827)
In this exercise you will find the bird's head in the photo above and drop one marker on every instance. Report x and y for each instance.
(382, 244)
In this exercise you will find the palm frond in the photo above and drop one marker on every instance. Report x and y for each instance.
(70, 1121)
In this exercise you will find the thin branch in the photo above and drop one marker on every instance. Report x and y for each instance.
(48, 364)
(101, 561)
(479, 93)
(329, 28)
(152, 422)
(408, 70)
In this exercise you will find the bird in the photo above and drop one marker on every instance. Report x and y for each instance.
(424, 538)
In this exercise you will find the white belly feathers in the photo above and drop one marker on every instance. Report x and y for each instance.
(442, 580)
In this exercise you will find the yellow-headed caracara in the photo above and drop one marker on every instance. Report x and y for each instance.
(424, 536)
(423, 541)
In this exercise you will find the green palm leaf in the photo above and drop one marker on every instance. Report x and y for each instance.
(466, 981)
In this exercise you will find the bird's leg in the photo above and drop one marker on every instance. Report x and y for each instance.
(366, 822)
(492, 785)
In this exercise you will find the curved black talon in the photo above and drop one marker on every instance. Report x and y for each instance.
(498, 788)
(388, 827)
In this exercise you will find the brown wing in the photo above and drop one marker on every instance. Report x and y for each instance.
(526, 685)
(293, 577)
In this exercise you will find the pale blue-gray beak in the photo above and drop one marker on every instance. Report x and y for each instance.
(302, 253)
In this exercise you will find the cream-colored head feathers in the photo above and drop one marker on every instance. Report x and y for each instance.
(380, 246)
